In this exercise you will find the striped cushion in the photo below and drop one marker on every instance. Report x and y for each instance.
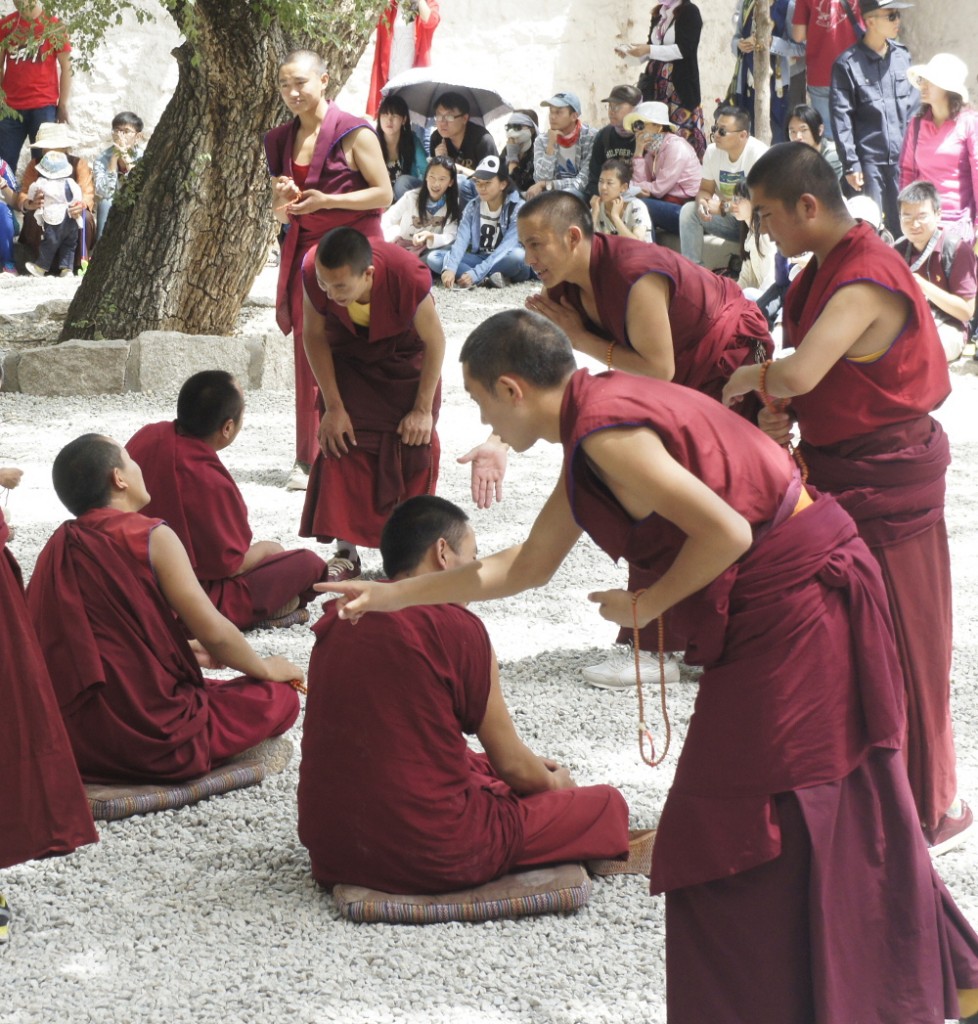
(552, 890)
(122, 800)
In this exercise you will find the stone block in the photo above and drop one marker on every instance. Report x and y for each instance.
(74, 368)
(163, 360)
(273, 362)
(9, 361)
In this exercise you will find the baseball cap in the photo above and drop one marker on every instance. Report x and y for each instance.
(563, 99)
(624, 94)
(488, 168)
(871, 6)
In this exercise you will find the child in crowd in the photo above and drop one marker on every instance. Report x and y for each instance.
(757, 249)
(426, 218)
(403, 151)
(521, 133)
(116, 162)
(615, 213)
(487, 249)
(8, 200)
(57, 192)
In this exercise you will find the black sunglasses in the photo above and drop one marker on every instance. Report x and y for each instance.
(892, 16)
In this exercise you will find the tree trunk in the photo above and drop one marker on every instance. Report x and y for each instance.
(763, 28)
(191, 230)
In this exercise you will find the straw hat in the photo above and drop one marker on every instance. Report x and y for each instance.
(52, 135)
(945, 71)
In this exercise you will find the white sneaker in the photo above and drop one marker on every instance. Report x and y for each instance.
(618, 672)
(298, 478)
(34, 270)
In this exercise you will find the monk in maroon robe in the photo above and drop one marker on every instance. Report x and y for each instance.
(375, 344)
(867, 370)
(249, 582)
(42, 803)
(328, 170)
(390, 795)
(798, 885)
(645, 309)
(129, 685)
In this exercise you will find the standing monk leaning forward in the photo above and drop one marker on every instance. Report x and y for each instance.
(328, 170)
(789, 828)
(128, 683)
(867, 371)
(647, 310)
(376, 345)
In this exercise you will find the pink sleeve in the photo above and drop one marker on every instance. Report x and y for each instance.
(670, 171)
(640, 172)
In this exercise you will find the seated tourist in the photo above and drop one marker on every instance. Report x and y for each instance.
(415, 810)
(189, 487)
(521, 135)
(426, 218)
(110, 596)
(615, 213)
(562, 157)
(943, 265)
(460, 140)
(487, 249)
(757, 273)
(613, 141)
(665, 168)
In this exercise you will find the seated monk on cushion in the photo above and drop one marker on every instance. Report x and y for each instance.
(105, 599)
(191, 489)
(390, 795)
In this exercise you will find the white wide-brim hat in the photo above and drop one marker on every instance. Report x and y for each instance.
(652, 112)
(54, 135)
(944, 70)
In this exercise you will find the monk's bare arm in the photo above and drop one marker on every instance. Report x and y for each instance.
(417, 425)
(219, 636)
(336, 427)
(522, 770)
(361, 148)
(860, 319)
(257, 554)
(522, 567)
(645, 478)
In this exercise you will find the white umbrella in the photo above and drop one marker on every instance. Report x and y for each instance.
(420, 87)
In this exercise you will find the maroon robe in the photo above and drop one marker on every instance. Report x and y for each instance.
(130, 690)
(715, 330)
(391, 797)
(798, 884)
(868, 439)
(378, 370)
(192, 490)
(42, 804)
(328, 172)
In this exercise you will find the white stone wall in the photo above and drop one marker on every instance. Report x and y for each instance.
(529, 50)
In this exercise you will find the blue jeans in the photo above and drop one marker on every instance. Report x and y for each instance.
(511, 265)
(692, 230)
(818, 95)
(665, 216)
(14, 133)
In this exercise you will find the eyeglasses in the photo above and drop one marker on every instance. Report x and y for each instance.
(617, 106)
(516, 127)
(916, 218)
(124, 131)
(448, 118)
(724, 132)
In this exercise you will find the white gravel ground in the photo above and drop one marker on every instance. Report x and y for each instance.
(209, 914)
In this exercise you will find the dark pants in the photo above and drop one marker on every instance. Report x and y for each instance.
(881, 182)
(14, 133)
(58, 245)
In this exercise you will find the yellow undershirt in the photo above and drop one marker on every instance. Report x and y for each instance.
(359, 313)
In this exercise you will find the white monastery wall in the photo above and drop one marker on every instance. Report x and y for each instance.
(530, 51)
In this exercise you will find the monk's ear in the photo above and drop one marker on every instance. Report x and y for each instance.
(228, 428)
(441, 552)
(808, 206)
(512, 387)
(118, 480)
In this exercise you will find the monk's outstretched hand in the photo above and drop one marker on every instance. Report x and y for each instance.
(616, 606)
(488, 470)
(742, 381)
(357, 597)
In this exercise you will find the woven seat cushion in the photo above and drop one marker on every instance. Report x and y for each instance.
(111, 802)
(551, 890)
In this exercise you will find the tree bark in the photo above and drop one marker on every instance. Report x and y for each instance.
(763, 28)
(190, 231)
